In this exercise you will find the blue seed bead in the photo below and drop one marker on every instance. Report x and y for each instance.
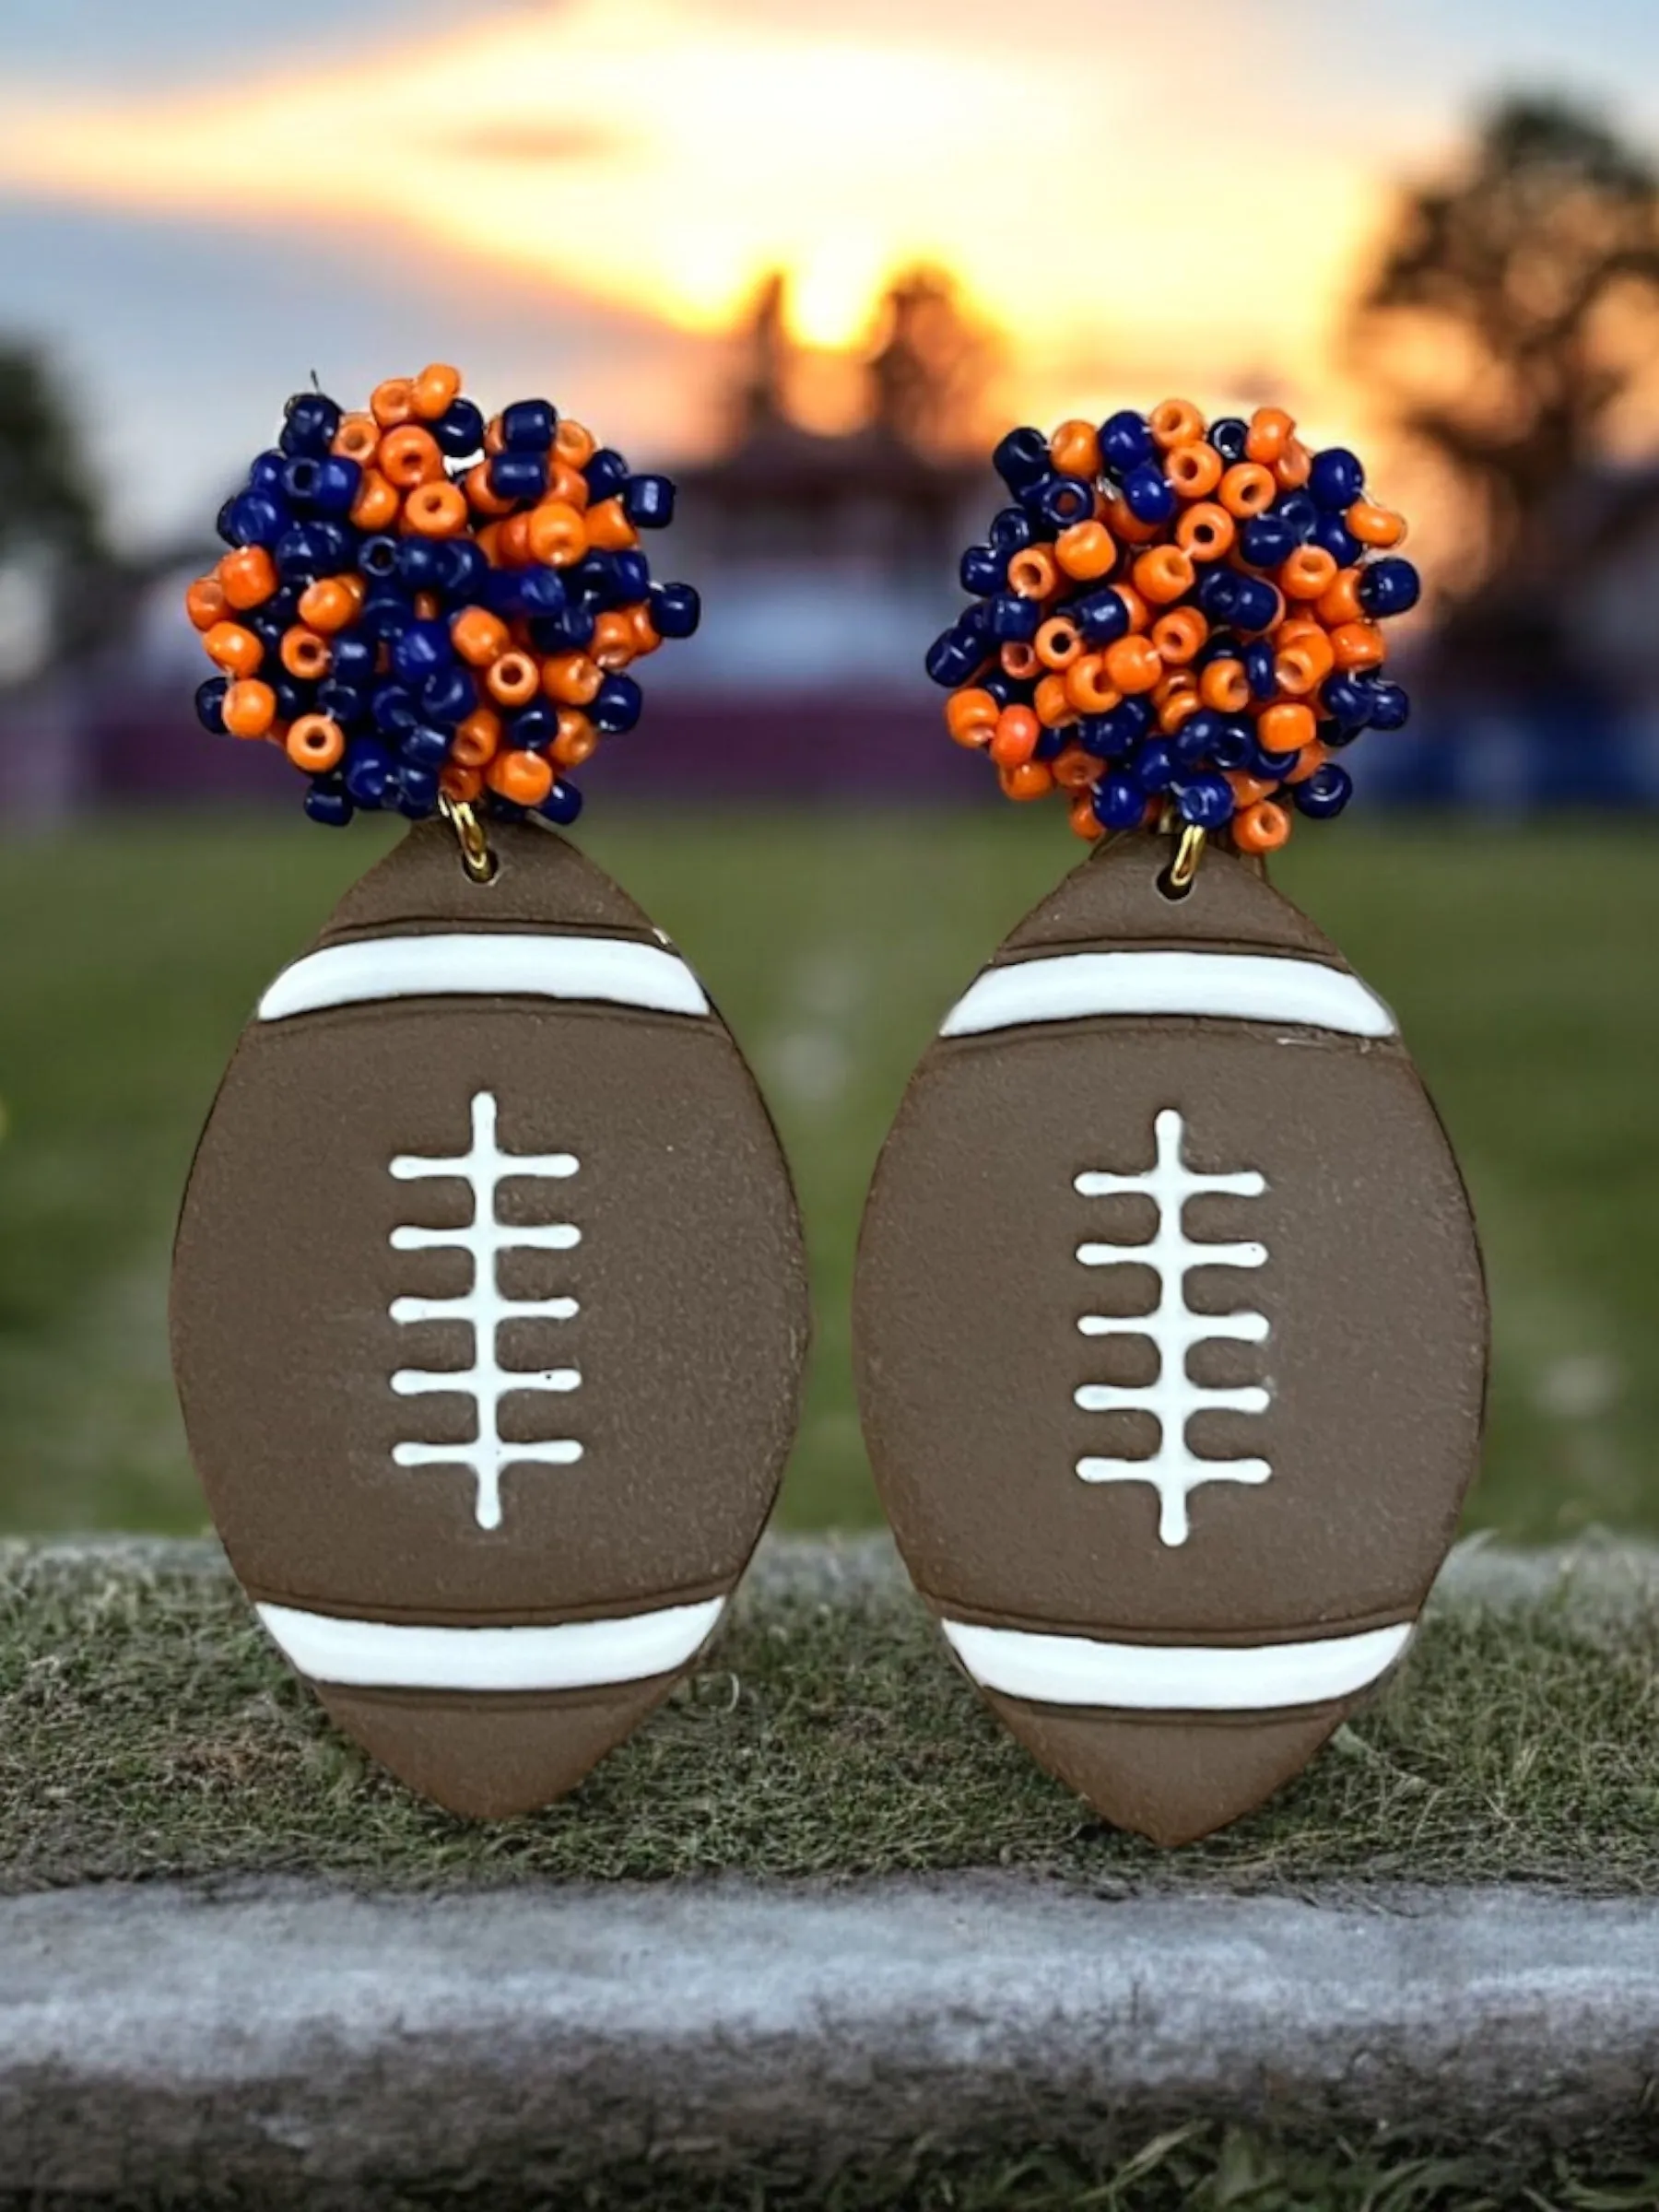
(419, 649)
(393, 710)
(1255, 604)
(1014, 621)
(1205, 801)
(1095, 736)
(1119, 803)
(616, 705)
(1259, 670)
(975, 621)
(1337, 479)
(1261, 762)
(1230, 434)
(265, 472)
(415, 793)
(541, 591)
(447, 696)
(676, 609)
(1030, 499)
(324, 485)
(984, 570)
(1267, 541)
(570, 631)
(1147, 495)
(648, 502)
(368, 772)
(1199, 734)
(1332, 535)
(293, 697)
(346, 703)
(309, 549)
(210, 704)
(1234, 746)
(1333, 735)
(311, 422)
(254, 518)
(1126, 442)
(631, 575)
(1219, 591)
(462, 565)
(1298, 513)
(459, 430)
(1389, 587)
(606, 474)
(953, 657)
(1391, 706)
(1188, 745)
(378, 556)
(1100, 616)
(1135, 716)
(1066, 500)
(518, 475)
(420, 562)
(1154, 766)
(1011, 530)
(423, 747)
(593, 579)
(268, 631)
(353, 657)
(1003, 688)
(1347, 700)
(384, 615)
(533, 729)
(1022, 459)
(561, 806)
(528, 426)
(1326, 791)
(1221, 645)
(328, 802)
(1050, 744)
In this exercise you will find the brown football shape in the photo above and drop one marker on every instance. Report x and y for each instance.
(1171, 1336)
(489, 1316)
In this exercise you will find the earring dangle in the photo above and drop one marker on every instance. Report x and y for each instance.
(488, 1196)
(1169, 1322)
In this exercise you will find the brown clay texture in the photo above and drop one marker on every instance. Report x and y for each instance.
(967, 1349)
(690, 1339)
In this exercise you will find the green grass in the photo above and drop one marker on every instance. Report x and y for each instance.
(1523, 965)
(148, 1728)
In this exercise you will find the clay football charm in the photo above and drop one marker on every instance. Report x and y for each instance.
(1170, 1336)
(489, 1316)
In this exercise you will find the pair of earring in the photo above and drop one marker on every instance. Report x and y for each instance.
(489, 1309)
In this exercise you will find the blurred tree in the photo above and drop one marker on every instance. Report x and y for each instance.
(52, 539)
(930, 364)
(762, 392)
(1514, 311)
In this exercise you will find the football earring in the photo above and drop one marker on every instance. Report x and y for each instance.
(489, 1308)
(1169, 1325)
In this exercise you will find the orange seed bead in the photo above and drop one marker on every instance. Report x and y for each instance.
(609, 528)
(645, 635)
(971, 715)
(1303, 663)
(1205, 531)
(1053, 707)
(1033, 573)
(479, 496)
(248, 709)
(1162, 573)
(315, 742)
(327, 605)
(1058, 642)
(1286, 727)
(1018, 660)
(512, 679)
(357, 438)
(1374, 526)
(436, 509)
(523, 777)
(568, 484)
(478, 636)
(204, 602)
(574, 444)
(1072, 769)
(1088, 686)
(1135, 606)
(1177, 707)
(1224, 685)
(248, 577)
(1013, 740)
(1248, 489)
(305, 654)
(1132, 664)
(1084, 822)
(1194, 469)
(1032, 781)
(376, 504)
(1341, 603)
(235, 650)
(478, 738)
(514, 543)
(571, 679)
(1075, 449)
(1312, 756)
(1247, 789)
(1309, 573)
(1270, 430)
(408, 456)
(1294, 466)
(460, 785)
(1358, 645)
(434, 391)
(557, 533)
(393, 402)
(1086, 551)
(1176, 423)
(577, 741)
(1178, 635)
(1262, 826)
(612, 643)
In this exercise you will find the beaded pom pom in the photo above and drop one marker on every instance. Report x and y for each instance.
(1176, 616)
(421, 604)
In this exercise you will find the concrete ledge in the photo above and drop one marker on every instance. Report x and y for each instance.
(313, 2047)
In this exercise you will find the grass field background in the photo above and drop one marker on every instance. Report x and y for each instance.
(1524, 965)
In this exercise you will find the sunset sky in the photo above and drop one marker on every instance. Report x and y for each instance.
(197, 210)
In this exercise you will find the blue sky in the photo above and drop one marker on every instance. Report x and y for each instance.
(179, 323)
